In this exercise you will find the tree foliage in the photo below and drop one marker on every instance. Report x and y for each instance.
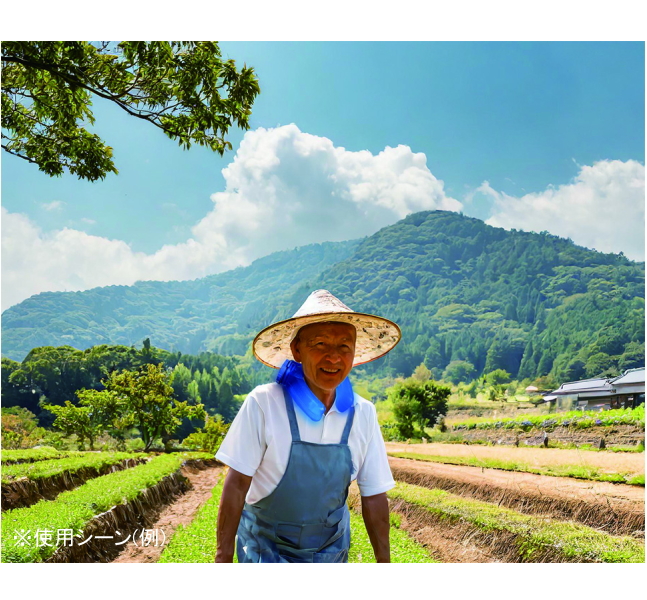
(209, 438)
(497, 377)
(143, 398)
(459, 371)
(185, 89)
(418, 404)
(53, 375)
(146, 399)
(81, 421)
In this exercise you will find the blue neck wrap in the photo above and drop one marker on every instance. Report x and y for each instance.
(290, 376)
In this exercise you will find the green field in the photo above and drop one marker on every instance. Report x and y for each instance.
(44, 469)
(575, 419)
(564, 540)
(74, 509)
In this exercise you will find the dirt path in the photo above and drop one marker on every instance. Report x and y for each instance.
(180, 512)
(615, 462)
(614, 508)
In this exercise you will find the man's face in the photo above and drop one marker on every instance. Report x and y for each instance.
(326, 351)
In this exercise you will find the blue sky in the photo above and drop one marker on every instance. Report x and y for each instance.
(536, 136)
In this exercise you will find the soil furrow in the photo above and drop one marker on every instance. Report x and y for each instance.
(446, 541)
(613, 508)
(181, 512)
(25, 492)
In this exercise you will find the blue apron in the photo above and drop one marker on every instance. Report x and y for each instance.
(305, 518)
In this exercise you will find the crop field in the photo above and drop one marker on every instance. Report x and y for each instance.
(134, 507)
(575, 419)
(575, 471)
(72, 526)
(35, 454)
(25, 483)
(49, 468)
(516, 537)
(611, 462)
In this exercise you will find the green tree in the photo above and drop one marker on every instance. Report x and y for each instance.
(598, 364)
(497, 377)
(109, 410)
(418, 403)
(496, 393)
(421, 373)
(96, 412)
(79, 420)
(633, 356)
(147, 396)
(184, 88)
(459, 371)
(575, 370)
(226, 403)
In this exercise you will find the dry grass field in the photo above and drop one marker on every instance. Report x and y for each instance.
(612, 462)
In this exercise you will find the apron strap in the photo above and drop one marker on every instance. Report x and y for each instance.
(292, 417)
(349, 424)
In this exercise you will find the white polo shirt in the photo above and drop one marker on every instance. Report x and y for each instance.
(259, 439)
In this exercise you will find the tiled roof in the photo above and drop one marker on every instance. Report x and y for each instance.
(586, 384)
(631, 376)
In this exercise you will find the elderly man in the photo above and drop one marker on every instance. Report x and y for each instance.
(296, 445)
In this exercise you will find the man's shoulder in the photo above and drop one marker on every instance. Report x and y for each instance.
(265, 394)
(364, 406)
(271, 388)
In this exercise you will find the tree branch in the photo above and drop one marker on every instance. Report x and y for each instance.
(7, 149)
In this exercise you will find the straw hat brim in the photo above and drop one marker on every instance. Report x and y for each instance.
(375, 336)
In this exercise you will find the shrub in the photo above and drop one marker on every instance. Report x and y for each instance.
(210, 437)
(418, 403)
(20, 428)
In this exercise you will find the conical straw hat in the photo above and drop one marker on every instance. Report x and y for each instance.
(375, 335)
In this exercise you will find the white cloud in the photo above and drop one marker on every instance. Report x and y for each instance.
(55, 205)
(603, 208)
(284, 188)
(88, 221)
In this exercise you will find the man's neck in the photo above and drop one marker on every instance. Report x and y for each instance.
(327, 398)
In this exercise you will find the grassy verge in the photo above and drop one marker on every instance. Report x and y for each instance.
(74, 509)
(533, 536)
(35, 454)
(196, 543)
(403, 548)
(49, 468)
(575, 471)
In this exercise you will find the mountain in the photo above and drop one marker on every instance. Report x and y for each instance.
(463, 293)
(217, 312)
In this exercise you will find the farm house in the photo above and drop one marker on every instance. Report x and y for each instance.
(625, 391)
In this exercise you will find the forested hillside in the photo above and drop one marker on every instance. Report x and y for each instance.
(213, 313)
(531, 304)
(54, 374)
(470, 299)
